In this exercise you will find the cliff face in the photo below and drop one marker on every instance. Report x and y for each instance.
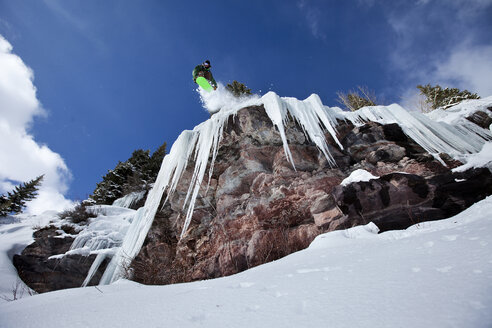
(44, 274)
(258, 208)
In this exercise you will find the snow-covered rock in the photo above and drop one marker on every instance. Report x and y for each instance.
(358, 175)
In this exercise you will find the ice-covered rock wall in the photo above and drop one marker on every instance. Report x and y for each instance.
(199, 148)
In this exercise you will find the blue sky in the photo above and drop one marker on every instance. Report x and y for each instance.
(114, 76)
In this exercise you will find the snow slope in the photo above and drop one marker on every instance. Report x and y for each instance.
(15, 235)
(434, 274)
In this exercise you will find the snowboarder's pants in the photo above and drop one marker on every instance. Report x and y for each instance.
(206, 74)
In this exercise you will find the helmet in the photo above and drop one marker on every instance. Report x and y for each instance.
(207, 64)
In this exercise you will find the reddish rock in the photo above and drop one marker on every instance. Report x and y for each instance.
(261, 208)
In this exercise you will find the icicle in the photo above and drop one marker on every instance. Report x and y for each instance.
(434, 137)
(277, 113)
(209, 136)
(93, 269)
(130, 199)
(312, 117)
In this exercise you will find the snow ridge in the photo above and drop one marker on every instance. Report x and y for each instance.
(314, 118)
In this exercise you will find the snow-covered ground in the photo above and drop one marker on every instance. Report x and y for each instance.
(435, 274)
(15, 235)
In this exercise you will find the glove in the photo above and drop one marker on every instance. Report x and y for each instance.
(215, 87)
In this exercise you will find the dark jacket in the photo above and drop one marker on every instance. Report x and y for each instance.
(201, 70)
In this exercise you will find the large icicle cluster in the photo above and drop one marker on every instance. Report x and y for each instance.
(202, 143)
(435, 137)
(310, 114)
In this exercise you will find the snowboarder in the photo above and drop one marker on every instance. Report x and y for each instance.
(204, 70)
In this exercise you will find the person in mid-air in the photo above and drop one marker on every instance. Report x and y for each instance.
(204, 70)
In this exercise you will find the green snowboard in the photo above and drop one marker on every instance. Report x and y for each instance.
(201, 81)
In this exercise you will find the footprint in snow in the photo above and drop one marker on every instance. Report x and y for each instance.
(253, 308)
(444, 269)
(246, 284)
(308, 270)
(450, 237)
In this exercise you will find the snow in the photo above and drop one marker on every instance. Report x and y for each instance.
(434, 274)
(221, 99)
(480, 159)
(458, 113)
(202, 143)
(358, 175)
(15, 234)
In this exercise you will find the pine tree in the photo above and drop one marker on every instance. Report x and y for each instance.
(155, 162)
(238, 89)
(437, 97)
(135, 174)
(15, 201)
(4, 205)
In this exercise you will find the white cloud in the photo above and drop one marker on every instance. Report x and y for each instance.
(21, 157)
(469, 67)
(439, 42)
(312, 16)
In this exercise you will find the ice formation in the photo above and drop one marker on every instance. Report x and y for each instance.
(435, 137)
(103, 235)
(458, 113)
(129, 200)
(203, 141)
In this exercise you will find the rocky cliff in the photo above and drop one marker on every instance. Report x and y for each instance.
(256, 206)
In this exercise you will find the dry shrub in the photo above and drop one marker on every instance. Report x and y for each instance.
(276, 244)
(155, 267)
(356, 99)
(80, 214)
(18, 291)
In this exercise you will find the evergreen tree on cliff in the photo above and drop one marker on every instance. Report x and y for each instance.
(437, 97)
(14, 202)
(133, 175)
